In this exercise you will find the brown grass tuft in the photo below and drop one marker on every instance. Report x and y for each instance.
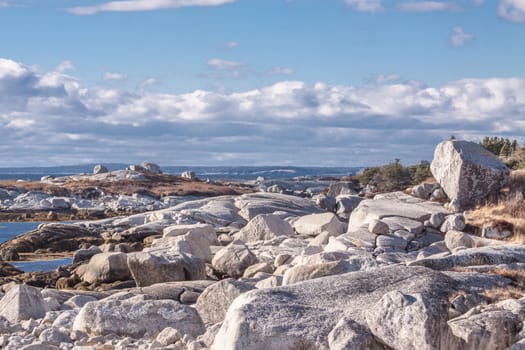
(497, 294)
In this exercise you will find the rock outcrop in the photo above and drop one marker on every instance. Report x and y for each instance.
(467, 172)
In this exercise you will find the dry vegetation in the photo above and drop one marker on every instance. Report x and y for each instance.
(507, 205)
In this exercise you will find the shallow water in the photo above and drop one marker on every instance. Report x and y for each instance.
(10, 230)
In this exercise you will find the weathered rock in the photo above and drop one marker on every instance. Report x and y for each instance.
(252, 204)
(147, 269)
(136, 316)
(303, 315)
(436, 220)
(168, 336)
(192, 243)
(346, 204)
(86, 254)
(208, 231)
(457, 240)
(393, 204)
(233, 259)
(151, 167)
(455, 222)
(326, 202)
(99, 169)
(378, 227)
(493, 255)
(9, 254)
(213, 303)
(339, 188)
(492, 329)
(314, 224)
(22, 302)
(391, 243)
(350, 335)
(264, 267)
(308, 272)
(265, 227)
(106, 268)
(467, 172)
(189, 175)
(497, 230)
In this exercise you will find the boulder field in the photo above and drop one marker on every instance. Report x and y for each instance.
(276, 271)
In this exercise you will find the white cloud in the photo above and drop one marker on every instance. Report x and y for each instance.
(231, 44)
(279, 71)
(143, 5)
(4, 4)
(512, 10)
(365, 5)
(115, 76)
(478, 2)
(428, 6)
(460, 38)
(65, 66)
(50, 117)
(217, 63)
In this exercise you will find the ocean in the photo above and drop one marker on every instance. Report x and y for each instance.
(10, 230)
(230, 173)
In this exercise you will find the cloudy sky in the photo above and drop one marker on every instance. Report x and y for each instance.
(256, 82)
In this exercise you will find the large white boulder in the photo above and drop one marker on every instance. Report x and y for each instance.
(147, 269)
(136, 317)
(208, 231)
(213, 303)
(314, 224)
(233, 259)
(467, 172)
(106, 268)
(22, 302)
(265, 227)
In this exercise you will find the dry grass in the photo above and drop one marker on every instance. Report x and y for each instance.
(507, 205)
(497, 294)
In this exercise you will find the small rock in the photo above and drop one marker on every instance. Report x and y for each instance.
(99, 169)
(378, 227)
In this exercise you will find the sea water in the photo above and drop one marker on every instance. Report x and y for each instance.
(9, 230)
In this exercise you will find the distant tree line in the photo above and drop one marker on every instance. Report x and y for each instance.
(508, 150)
(394, 176)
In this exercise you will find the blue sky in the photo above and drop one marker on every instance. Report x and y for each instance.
(244, 82)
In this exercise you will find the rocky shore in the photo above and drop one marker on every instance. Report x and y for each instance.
(318, 265)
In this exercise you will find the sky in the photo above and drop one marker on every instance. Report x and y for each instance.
(256, 82)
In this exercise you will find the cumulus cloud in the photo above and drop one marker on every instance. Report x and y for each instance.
(428, 6)
(143, 5)
(512, 10)
(65, 66)
(51, 118)
(366, 5)
(115, 76)
(459, 37)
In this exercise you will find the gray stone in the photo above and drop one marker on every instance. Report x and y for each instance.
(54, 336)
(326, 202)
(147, 269)
(308, 272)
(455, 222)
(495, 232)
(151, 167)
(188, 175)
(399, 223)
(436, 220)
(492, 329)
(467, 172)
(346, 204)
(233, 259)
(22, 302)
(252, 204)
(340, 188)
(99, 169)
(391, 242)
(350, 335)
(106, 268)
(85, 254)
(213, 303)
(393, 204)
(264, 227)
(168, 336)
(492, 255)
(301, 316)
(314, 224)
(136, 316)
(378, 227)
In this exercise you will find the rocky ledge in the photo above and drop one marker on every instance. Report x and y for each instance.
(276, 271)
